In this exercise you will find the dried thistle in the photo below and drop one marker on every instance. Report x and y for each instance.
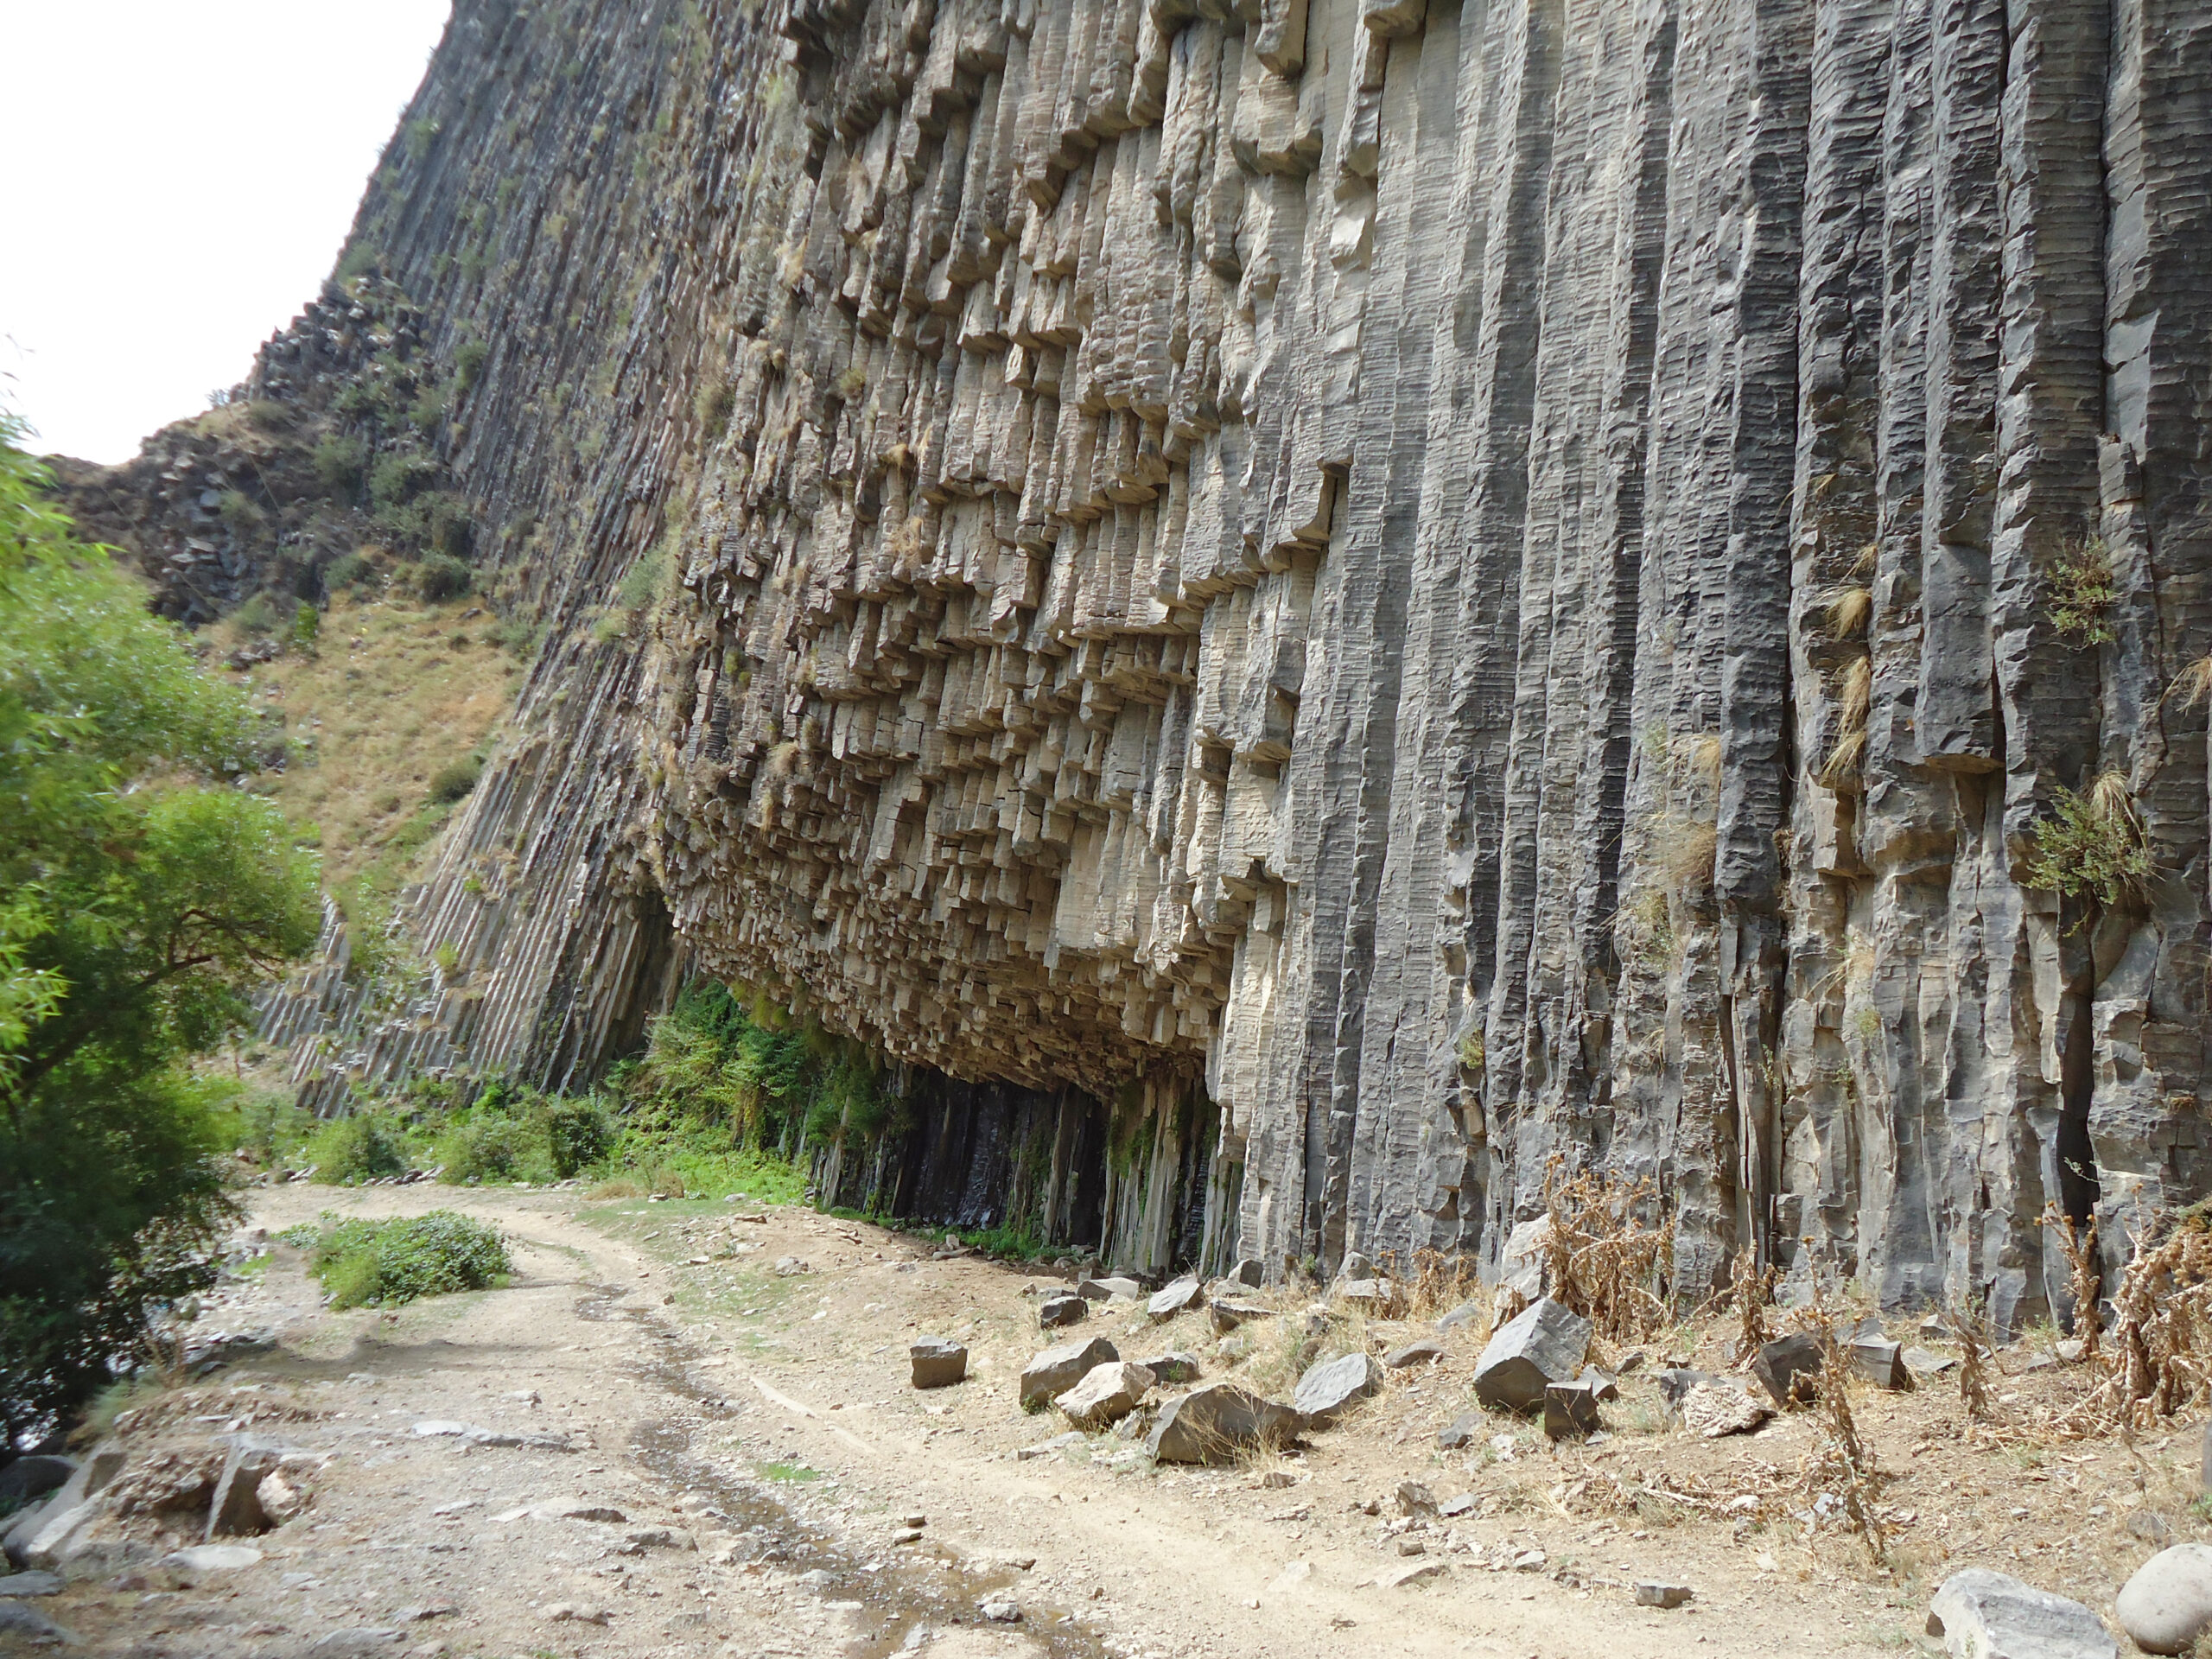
(2159, 1356)
(1751, 1290)
(1844, 1464)
(1600, 1258)
(2084, 1278)
(1969, 1318)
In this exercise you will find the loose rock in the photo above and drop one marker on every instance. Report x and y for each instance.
(1172, 1367)
(1000, 1609)
(2167, 1604)
(1415, 1498)
(31, 1584)
(1463, 1430)
(1334, 1386)
(1248, 1272)
(1788, 1368)
(1426, 1351)
(1211, 1424)
(1228, 1315)
(1105, 1290)
(1106, 1393)
(1466, 1313)
(1184, 1295)
(1545, 1343)
(1985, 1615)
(1570, 1410)
(1713, 1409)
(1655, 1593)
(1057, 1369)
(1057, 1311)
(1878, 1361)
(937, 1361)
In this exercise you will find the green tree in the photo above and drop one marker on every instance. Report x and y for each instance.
(142, 896)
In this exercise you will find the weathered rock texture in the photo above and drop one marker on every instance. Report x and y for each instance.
(1394, 588)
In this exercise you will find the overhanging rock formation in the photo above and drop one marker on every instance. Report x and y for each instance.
(1466, 582)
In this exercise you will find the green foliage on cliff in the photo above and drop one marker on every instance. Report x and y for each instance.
(141, 899)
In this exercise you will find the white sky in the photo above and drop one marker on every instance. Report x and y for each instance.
(179, 177)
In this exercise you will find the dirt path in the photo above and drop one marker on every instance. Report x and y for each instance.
(720, 1458)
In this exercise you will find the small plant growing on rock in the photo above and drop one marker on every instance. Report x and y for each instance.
(2093, 847)
(2079, 593)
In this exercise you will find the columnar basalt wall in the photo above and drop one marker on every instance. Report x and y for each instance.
(1465, 584)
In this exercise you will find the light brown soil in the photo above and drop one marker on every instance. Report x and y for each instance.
(708, 1395)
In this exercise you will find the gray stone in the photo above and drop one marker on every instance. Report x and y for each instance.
(1466, 1313)
(1458, 1505)
(1427, 1351)
(1878, 1361)
(1056, 1312)
(1570, 1410)
(1415, 1498)
(1057, 1369)
(1788, 1368)
(999, 1608)
(1248, 1272)
(1925, 1363)
(1720, 1407)
(1601, 1384)
(1184, 1296)
(18, 1619)
(1520, 1264)
(937, 1361)
(33, 1477)
(1675, 1381)
(1462, 1431)
(1212, 1424)
(213, 1557)
(1057, 1443)
(1332, 1387)
(1172, 1367)
(30, 1583)
(1354, 1266)
(1544, 1343)
(1228, 1315)
(2167, 1602)
(1984, 1615)
(1657, 1592)
(1106, 1393)
(1103, 1290)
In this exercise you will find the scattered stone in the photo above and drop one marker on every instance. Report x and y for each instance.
(1631, 1362)
(2149, 1526)
(599, 1512)
(564, 1612)
(1228, 1315)
(1545, 1343)
(1462, 1431)
(1055, 1312)
(1106, 1393)
(1570, 1410)
(1657, 1593)
(1713, 1409)
(908, 1535)
(999, 1608)
(1466, 1313)
(2070, 1350)
(1788, 1368)
(1213, 1423)
(1426, 1351)
(2167, 1604)
(1985, 1615)
(1374, 1296)
(33, 1477)
(913, 1518)
(787, 1266)
(1105, 1290)
(937, 1361)
(1355, 1266)
(1415, 1498)
(31, 1584)
(1172, 1367)
(213, 1557)
(16, 1620)
(1458, 1505)
(1184, 1296)
(1409, 1545)
(1925, 1363)
(1413, 1574)
(1878, 1361)
(280, 1498)
(1675, 1381)
(1057, 1369)
(1057, 1443)
(1249, 1273)
(492, 1437)
(1602, 1385)
(1529, 1561)
(1329, 1389)
(1293, 1574)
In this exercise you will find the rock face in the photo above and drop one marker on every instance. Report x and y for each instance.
(1296, 605)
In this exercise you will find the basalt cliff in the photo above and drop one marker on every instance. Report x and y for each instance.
(1310, 609)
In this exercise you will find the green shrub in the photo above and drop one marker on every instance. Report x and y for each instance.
(494, 1145)
(257, 615)
(344, 571)
(383, 1263)
(427, 409)
(2093, 847)
(268, 416)
(241, 517)
(340, 462)
(469, 360)
(2079, 591)
(399, 476)
(306, 623)
(359, 1147)
(578, 1133)
(441, 577)
(453, 782)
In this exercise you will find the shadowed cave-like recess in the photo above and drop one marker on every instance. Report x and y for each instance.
(1303, 605)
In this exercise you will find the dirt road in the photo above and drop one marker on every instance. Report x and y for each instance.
(690, 1452)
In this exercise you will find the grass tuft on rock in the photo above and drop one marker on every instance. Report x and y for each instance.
(383, 1263)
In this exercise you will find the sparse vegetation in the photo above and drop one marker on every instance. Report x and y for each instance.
(2079, 593)
(366, 1263)
(2093, 847)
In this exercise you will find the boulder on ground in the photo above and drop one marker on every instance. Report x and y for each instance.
(18, 1619)
(280, 1498)
(1426, 1351)
(1177, 1367)
(33, 1477)
(237, 1509)
(1184, 1296)
(1214, 1423)
(1064, 1309)
(1570, 1410)
(1602, 1383)
(1985, 1615)
(1057, 1369)
(1106, 1393)
(1466, 1313)
(1657, 1592)
(18, 1584)
(1788, 1368)
(1105, 1290)
(1719, 1407)
(1355, 1266)
(2167, 1604)
(937, 1361)
(1415, 1498)
(1522, 1265)
(1248, 1272)
(1334, 1386)
(1375, 1297)
(1544, 1344)
(1229, 1314)
(1878, 1361)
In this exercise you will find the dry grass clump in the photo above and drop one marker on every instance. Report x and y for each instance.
(1843, 1464)
(1601, 1258)
(2159, 1353)
(1854, 699)
(2084, 1278)
(1686, 850)
(1750, 1293)
(1438, 1283)
(1849, 612)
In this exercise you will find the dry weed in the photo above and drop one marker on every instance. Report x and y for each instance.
(1969, 1321)
(1844, 1465)
(1751, 1291)
(1600, 1257)
(2084, 1278)
(2160, 1351)
(1438, 1283)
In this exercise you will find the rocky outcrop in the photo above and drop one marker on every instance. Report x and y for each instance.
(1348, 597)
